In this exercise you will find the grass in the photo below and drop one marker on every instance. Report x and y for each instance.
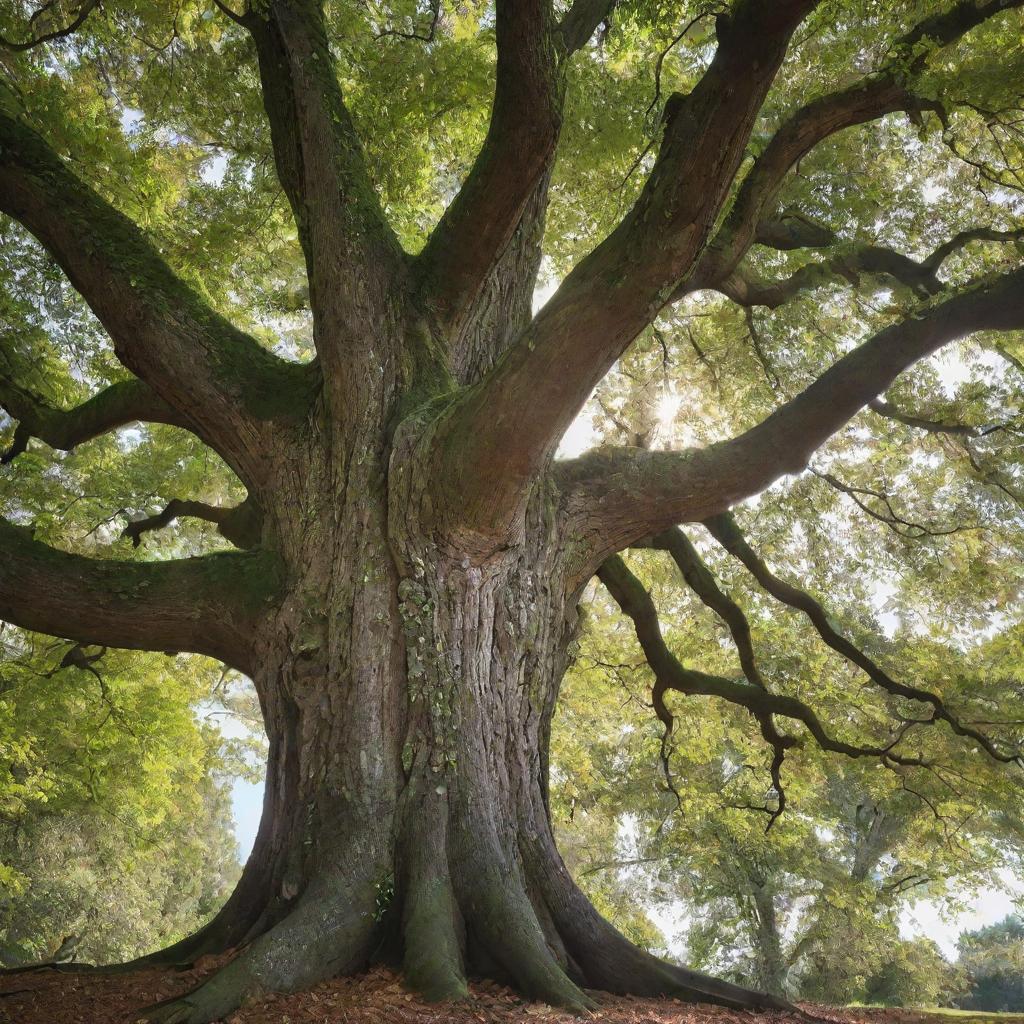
(977, 1016)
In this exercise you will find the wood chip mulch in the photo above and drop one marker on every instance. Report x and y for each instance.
(377, 997)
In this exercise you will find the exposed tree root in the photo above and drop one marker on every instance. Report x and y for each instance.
(499, 914)
(331, 931)
(461, 897)
(610, 961)
(431, 923)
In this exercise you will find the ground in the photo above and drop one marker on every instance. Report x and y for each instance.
(374, 998)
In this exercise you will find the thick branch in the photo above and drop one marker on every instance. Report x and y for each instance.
(725, 530)
(240, 524)
(702, 582)
(121, 403)
(746, 288)
(509, 425)
(503, 304)
(353, 258)
(516, 154)
(581, 21)
(222, 380)
(871, 98)
(618, 496)
(207, 605)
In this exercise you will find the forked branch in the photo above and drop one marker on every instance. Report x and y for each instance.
(517, 151)
(702, 582)
(240, 524)
(882, 93)
(510, 424)
(210, 372)
(115, 406)
(671, 675)
(747, 288)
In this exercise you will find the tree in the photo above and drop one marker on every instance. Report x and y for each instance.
(919, 975)
(993, 958)
(115, 820)
(410, 551)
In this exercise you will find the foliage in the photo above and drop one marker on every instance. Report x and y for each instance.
(915, 974)
(123, 892)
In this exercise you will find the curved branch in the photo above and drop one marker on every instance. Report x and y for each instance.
(124, 402)
(353, 258)
(890, 412)
(726, 531)
(221, 379)
(240, 524)
(85, 8)
(901, 526)
(746, 288)
(670, 674)
(962, 238)
(616, 496)
(702, 582)
(793, 230)
(867, 100)
(503, 303)
(206, 605)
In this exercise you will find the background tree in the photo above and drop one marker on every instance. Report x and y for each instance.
(993, 959)
(314, 246)
(116, 822)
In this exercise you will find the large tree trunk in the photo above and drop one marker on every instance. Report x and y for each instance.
(408, 684)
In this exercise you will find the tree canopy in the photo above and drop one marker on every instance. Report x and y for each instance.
(994, 960)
